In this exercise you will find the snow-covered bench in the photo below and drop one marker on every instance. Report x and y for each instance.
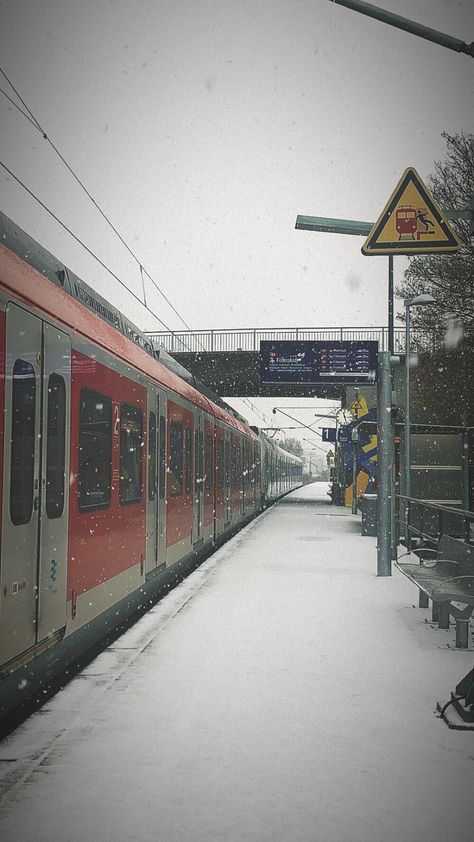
(447, 578)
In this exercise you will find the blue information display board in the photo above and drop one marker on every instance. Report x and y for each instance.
(318, 361)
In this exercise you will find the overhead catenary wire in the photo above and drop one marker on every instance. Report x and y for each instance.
(89, 251)
(32, 119)
(258, 411)
(15, 104)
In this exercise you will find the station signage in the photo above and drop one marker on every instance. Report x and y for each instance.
(320, 361)
(411, 222)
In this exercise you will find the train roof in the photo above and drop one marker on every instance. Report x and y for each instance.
(38, 278)
(281, 450)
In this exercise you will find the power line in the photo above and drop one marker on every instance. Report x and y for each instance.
(15, 104)
(32, 119)
(257, 411)
(75, 237)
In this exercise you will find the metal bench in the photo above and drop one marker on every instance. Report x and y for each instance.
(447, 578)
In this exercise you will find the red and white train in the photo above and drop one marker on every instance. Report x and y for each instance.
(115, 472)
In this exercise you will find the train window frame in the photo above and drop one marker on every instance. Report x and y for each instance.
(130, 468)
(162, 477)
(87, 394)
(208, 452)
(152, 453)
(220, 463)
(55, 446)
(176, 459)
(227, 462)
(22, 462)
(188, 448)
(196, 460)
(201, 459)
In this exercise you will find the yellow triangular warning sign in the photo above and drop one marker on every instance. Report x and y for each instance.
(411, 222)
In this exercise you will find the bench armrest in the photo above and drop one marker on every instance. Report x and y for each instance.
(454, 579)
(416, 552)
(433, 564)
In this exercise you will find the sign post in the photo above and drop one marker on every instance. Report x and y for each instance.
(384, 467)
(411, 223)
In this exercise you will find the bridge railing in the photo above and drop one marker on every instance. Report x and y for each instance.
(248, 339)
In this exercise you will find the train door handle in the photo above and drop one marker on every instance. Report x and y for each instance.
(36, 503)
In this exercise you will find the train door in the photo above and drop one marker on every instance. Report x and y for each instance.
(227, 501)
(35, 482)
(241, 466)
(156, 475)
(162, 476)
(198, 512)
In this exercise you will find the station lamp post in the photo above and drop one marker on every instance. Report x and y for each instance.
(418, 300)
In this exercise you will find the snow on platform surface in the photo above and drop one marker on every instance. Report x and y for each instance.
(281, 693)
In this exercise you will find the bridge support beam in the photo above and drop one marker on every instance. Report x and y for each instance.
(237, 374)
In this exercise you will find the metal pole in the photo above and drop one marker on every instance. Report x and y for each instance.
(384, 467)
(355, 444)
(394, 525)
(354, 476)
(407, 484)
(409, 26)
(465, 467)
(391, 344)
(390, 303)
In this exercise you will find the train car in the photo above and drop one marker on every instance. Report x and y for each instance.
(281, 471)
(115, 472)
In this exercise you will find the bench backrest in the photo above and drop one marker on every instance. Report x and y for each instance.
(455, 550)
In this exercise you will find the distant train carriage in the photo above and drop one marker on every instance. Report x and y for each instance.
(114, 470)
(281, 471)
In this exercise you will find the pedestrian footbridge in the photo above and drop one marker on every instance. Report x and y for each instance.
(227, 361)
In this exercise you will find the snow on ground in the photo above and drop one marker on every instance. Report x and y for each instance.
(316, 491)
(282, 692)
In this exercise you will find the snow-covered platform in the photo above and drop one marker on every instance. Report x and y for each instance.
(281, 693)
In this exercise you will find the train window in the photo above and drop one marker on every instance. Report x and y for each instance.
(95, 450)
(196, 461)
(220, 463)
(176, 459)
(162, 456)
(227, 462)
(189, 456)
(130, 454)
(208, 455)
(22, 442)
(248, 448)
(233, 464)
(201, 457)
(151, 456)
(55, 446)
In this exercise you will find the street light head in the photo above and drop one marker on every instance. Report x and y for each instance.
(419, 299)
(274, 411)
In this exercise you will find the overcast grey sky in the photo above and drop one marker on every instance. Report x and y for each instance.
(203, 128)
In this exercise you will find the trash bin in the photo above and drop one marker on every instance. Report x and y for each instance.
(368, 507)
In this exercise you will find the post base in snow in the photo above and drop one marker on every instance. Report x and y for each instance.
(423, 600)
(458, 713)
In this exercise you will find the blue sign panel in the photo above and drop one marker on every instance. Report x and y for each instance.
(318, 362)
(329, 434)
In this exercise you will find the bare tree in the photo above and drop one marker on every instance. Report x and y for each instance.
(448, 277)
(292, 446)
